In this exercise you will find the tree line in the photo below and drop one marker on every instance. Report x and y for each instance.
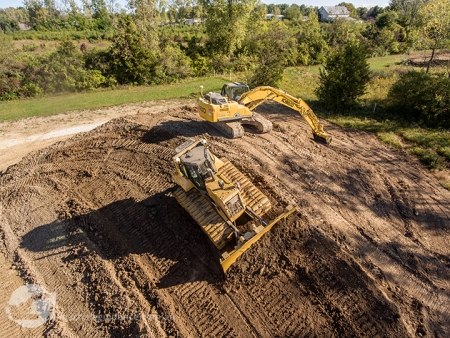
(149, 44)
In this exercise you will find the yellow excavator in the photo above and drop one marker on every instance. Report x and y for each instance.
(223, 202)
(234, 107)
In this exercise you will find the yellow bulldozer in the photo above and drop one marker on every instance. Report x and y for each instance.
(235, 106)
(223, 202)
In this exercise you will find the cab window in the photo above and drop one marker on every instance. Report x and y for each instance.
(195, 177)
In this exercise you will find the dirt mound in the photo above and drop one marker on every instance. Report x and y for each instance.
(93, 219)
(439, 60)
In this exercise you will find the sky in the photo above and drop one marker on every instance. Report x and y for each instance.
(356, 3)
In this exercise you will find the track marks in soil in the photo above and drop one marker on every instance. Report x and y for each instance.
(96, 218)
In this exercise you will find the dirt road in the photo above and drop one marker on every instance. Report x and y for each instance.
(93, 220)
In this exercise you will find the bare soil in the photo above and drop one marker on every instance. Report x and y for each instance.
(440, 59)
(92, 218)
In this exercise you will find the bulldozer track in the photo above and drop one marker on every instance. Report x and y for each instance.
(205, 216)
(252, 195)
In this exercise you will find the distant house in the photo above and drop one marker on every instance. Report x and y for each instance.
(272, 16)
(24, 27)
(192, 21)
(330, 13)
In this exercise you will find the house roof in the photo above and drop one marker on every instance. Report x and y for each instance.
(24, 27)
(336, 10)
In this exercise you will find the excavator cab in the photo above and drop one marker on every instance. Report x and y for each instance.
(234, 90)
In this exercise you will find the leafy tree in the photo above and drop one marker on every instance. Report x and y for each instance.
(344, 77)
(385, 35)
(276, 10)
(436, 27)
(226, 24)
(386, 19)
(293, 13)
(312, 47)
(341, 31)
(282, 8)
(274, 48)
(172, 65)
(8, 25)
(132, 61)
(408, 11)
(100, 15)
(35, 11)
(147, 19)
(361, 11)
(350, 8)
(373, 12)
(19, 14)
(63, 70)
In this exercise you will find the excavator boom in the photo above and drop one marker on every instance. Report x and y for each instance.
(259, 95)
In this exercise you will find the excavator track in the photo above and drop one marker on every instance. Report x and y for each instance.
(252, 196)
(230, 129)
(205, 216)
(259, 123)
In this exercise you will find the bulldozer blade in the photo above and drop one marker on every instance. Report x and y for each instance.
(233, 256)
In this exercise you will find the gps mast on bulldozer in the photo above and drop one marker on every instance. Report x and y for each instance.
(236, 103)
(223, 202)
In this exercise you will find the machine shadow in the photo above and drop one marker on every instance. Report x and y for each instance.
(157, 228)
(170, 130)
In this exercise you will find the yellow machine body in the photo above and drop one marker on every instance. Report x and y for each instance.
(218, 197)
(237, 103)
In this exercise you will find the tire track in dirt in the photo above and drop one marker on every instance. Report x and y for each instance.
(118, 242)
(426, 293)
(10, 282)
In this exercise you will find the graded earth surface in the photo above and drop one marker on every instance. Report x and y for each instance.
(91, 218)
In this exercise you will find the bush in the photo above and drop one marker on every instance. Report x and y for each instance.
(173, 65)
(132, 60)
(8, 25)
(422, 97)
(9, 87)
(444, 151)
(344, 78)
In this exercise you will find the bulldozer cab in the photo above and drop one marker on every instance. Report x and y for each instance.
(198, 164)
(234, 90)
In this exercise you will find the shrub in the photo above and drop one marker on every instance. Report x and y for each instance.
(173, 65)
(132, 60)
(422, 97)
(344, 78)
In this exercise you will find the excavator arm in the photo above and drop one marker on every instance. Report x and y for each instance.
(259, 95)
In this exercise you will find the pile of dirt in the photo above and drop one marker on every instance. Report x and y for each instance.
(93, 220)
(440, 59)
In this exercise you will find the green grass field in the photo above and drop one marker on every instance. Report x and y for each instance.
(50, 105)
